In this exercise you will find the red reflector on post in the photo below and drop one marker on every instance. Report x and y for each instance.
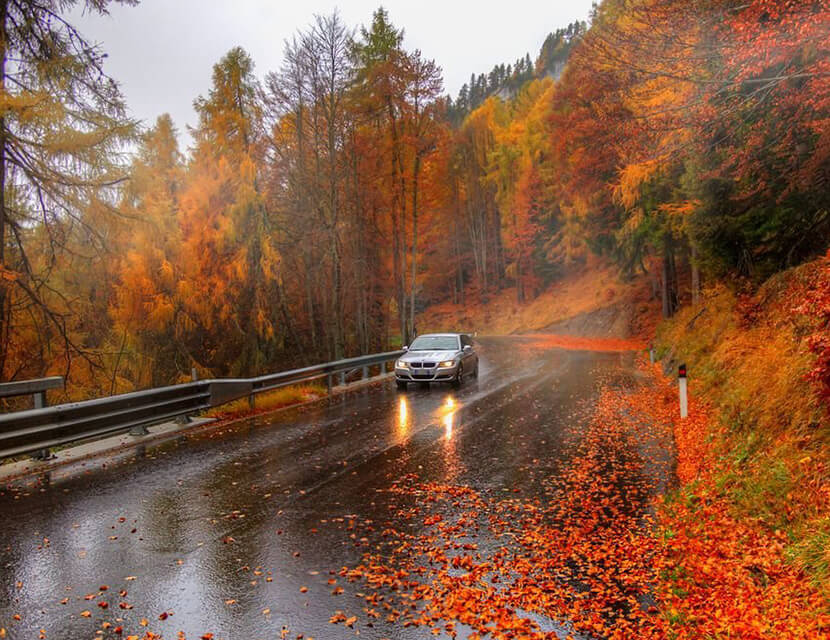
(681, 371)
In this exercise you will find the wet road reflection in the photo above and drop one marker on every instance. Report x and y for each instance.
(239, 531)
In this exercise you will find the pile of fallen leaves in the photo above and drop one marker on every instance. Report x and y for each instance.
(577, 343)
(587, 560)
(578, 560)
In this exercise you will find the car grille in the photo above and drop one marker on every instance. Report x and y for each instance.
(420, 365)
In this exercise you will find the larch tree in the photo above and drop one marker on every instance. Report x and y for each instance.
(380, 86)
(230, 259)
(146, 309)
(422, 109)
(63, 129)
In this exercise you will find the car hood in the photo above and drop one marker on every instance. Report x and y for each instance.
(428, 356)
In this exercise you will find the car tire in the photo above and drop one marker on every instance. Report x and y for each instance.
(475, 372)
(401, 384)
(458, 377)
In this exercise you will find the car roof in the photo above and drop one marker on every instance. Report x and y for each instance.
(439, 335)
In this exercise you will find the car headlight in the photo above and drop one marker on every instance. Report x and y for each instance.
(400, 364)
(447, 364)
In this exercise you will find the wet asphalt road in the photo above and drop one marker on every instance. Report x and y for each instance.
(234, 531)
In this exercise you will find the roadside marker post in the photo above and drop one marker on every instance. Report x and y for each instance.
(684, 399)
(651, 354)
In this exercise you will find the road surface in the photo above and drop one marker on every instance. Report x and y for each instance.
(235, 530)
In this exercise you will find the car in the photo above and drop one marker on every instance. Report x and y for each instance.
(437, 357)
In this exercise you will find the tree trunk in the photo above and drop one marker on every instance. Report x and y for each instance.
(398, 222)
(4, 298)
(337, 310)
(664, 286)
(669, 284)
(415, 171)
(695, 278)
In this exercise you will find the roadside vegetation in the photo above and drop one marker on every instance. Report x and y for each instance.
(266, 402)
(760, 361)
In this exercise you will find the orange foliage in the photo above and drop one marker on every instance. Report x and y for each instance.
(816, 306)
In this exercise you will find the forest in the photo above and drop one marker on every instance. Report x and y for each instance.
(324, 204)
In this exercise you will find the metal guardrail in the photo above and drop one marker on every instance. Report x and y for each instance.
(39, 429)
(36, 388)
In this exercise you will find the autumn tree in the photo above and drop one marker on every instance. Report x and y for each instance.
(379, 88)
(422, 112)
(146, 309)
(309, 131)
(62, 134)
(229, 261)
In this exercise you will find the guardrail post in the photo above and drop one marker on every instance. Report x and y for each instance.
(365, 372)
(328, 384)
(252, 402)
(39, 399)
(141, 430)
(186, 419)
(342, 378)
(383, 368)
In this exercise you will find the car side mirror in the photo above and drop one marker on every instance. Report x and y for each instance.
(467, 348)
(404, 348)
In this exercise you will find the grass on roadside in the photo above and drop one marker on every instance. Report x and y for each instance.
(268, 401)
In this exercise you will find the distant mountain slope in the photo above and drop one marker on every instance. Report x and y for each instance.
(506, 80)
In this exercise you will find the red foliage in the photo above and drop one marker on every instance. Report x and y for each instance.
(817, 306)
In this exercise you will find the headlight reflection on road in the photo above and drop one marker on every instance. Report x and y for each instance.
(449, 410)
(403, 416)
(448, 420)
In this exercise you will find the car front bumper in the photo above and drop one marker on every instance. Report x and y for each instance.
(435, 374)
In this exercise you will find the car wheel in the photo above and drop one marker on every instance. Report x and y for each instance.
(401, 384)
(475, 371)
(458, 377)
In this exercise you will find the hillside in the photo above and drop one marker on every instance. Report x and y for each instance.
(592, 301)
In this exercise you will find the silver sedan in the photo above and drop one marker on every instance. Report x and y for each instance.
(437, 357)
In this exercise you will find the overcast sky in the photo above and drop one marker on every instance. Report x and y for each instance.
(162, 51)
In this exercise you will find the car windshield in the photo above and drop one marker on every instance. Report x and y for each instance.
(434, 343)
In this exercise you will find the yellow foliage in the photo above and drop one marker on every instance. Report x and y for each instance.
(631, 178)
